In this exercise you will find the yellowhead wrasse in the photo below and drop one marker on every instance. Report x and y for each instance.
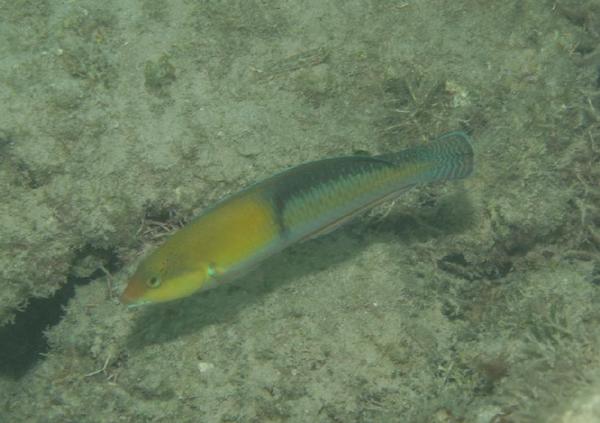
(297, 204)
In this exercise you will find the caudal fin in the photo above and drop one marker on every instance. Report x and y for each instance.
(451, 156)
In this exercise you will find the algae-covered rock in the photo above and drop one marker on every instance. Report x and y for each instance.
(470, 301)
(159, 75)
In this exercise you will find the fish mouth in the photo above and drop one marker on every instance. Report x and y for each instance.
(132, 302)
(132, 295)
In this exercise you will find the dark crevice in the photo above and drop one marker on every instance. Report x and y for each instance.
(23, 343)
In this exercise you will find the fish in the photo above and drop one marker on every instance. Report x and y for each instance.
(235, 235)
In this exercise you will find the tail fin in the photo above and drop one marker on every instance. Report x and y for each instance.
(454, 155)
(451, 154)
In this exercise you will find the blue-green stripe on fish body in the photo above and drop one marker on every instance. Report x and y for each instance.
(316, 195)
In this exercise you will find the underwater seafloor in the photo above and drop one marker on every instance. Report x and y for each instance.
(471, 301)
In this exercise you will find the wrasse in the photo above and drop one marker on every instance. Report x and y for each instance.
(300, 203)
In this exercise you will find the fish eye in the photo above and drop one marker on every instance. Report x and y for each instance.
(153, 282)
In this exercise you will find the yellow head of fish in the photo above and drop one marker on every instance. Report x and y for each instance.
(157, 279)
(216, 246)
